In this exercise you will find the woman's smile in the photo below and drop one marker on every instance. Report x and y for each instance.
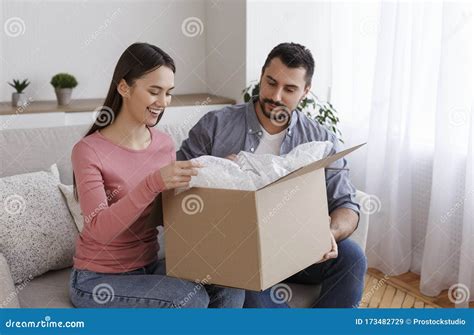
(154, 111)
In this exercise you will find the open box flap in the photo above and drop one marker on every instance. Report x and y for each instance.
(316, 165)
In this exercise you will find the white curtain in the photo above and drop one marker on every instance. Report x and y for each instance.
(402, 81)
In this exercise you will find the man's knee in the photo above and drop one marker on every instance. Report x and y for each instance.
(226, 297)
(264, 299)
(351, 256)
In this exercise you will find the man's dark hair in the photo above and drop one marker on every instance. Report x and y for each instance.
(293, 55)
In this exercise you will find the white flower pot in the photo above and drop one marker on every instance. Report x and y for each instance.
(19, 99)
(63, 96)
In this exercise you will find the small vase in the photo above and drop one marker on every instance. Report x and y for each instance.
(19, 99)
(63, 95)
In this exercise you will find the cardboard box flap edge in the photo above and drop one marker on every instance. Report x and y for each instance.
(316, 165)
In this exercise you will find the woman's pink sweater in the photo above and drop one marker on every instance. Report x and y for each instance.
(116, 188)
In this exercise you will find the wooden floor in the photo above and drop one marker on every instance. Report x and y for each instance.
(382, 291)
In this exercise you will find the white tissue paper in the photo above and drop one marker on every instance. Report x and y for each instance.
(249, 172)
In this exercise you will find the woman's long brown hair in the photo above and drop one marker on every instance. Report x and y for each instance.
(136, 61)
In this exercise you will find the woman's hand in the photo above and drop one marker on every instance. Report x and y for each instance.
(232, 157)
(178, 173)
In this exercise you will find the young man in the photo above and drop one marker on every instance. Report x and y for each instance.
(270, 124)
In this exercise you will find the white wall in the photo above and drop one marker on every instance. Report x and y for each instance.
(222, 55)
(226, 47)
(306, 22)
(86, 38)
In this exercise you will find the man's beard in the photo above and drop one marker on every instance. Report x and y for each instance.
(279, 116)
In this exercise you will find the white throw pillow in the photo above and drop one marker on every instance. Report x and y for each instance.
(73, 205)
(8, 294)
(37, 232)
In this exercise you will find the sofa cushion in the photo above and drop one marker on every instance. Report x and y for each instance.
(50, 290)
(31, 150)
(37, 232)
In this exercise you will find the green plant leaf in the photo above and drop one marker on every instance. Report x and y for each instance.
(63, 80)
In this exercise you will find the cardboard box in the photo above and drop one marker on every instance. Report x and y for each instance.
(249, 239)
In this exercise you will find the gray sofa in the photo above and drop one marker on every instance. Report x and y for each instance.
(30, 150)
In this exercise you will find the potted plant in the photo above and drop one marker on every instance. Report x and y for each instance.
(63, 84)
(320, 111)
(18, 97)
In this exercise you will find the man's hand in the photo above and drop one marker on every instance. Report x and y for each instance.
(343, 223)
(333, 252)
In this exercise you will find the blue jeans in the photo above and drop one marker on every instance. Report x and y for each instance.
(147, 287)
(342, 281)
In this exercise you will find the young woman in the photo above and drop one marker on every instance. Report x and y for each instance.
(120, 167)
